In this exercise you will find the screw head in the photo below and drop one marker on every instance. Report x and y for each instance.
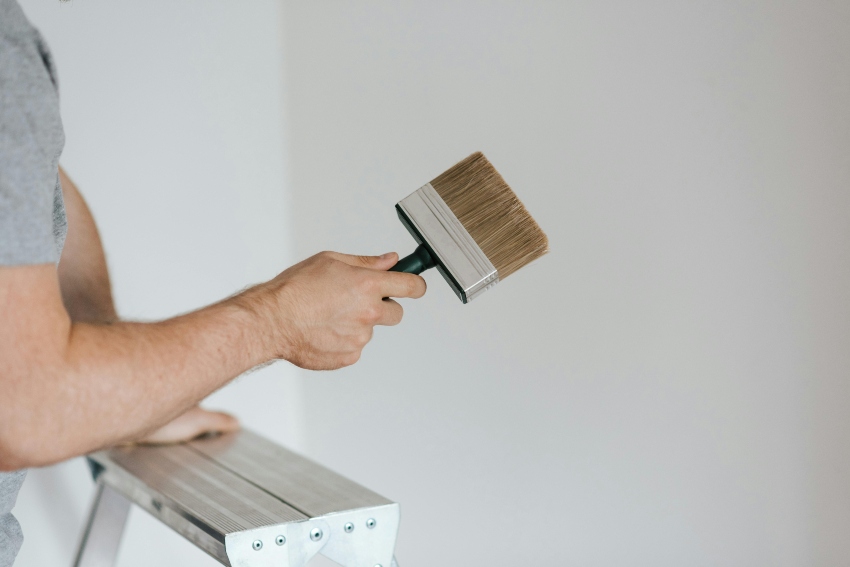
(280, 540)
(349, 527)
(316, 534)
(371, 523)
(257, 545)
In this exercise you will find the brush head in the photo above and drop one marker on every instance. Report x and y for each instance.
(492, 214)
(471, 227)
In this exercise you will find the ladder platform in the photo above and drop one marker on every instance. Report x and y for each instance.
(244, 500)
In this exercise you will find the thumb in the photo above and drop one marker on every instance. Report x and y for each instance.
(383, 262)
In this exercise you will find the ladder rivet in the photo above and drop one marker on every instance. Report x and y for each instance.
(349, 527)
(280, 540)
(316, 534)
(370, 523)
(257, 545)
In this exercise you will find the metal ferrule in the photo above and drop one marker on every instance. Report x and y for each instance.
(459, 258)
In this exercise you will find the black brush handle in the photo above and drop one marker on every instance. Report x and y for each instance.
(416, 263)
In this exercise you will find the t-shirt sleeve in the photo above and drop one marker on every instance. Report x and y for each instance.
(31, 140)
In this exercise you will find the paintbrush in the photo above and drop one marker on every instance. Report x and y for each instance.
(471, 226)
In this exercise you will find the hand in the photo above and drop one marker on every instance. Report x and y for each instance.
(322, 311)
(192, 424)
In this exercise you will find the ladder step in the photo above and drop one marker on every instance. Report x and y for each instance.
(249, 502)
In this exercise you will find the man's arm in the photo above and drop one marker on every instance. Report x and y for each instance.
(71, 387)
(83, 276)
(87, 296)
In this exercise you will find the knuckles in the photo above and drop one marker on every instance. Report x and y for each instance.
(344, 309)
(368, 286)
(365, 337)
(350, 358)
(371, 315)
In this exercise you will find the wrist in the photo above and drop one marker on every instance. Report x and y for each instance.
(261, 306)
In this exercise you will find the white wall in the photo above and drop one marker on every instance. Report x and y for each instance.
(670, 385)
(174, 116)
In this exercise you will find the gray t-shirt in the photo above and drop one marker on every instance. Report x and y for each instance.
(32, 214)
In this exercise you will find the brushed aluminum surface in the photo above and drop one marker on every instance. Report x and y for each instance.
(467, 267)
(300, 482)
(220, 498)
(248, 502)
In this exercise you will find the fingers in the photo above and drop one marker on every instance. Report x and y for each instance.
(383, 262)
(391, 313)
(214, 422)
(192, 424)
(390, 284)
(331, 303)
(400, 284)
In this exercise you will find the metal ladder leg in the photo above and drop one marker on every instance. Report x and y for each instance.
(105, 525)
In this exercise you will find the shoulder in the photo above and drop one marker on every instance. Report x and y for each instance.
(24, 54)
(14, 25)
(31, 141)
(29, 101)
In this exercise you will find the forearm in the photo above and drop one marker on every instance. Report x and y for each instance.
(114, 383)
(69, 388)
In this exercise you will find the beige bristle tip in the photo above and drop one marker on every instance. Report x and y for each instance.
(492, 214)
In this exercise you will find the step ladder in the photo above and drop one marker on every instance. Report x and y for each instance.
(242, 499)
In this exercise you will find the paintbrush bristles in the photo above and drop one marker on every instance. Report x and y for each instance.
(492, 214)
